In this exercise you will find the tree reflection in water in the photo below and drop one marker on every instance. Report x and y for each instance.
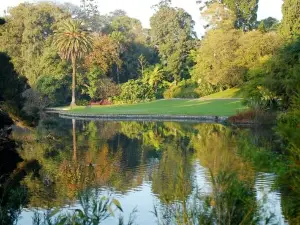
(123, 156)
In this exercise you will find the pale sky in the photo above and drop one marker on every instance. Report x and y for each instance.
(141, 9)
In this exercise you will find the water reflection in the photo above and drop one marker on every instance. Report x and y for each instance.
(270, 198)
(185, 173)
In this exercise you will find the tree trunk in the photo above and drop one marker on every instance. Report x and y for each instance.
(118, 76)
(73, 103)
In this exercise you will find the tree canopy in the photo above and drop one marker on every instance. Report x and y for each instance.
(290, 25)
(245, 11)
(172, 33)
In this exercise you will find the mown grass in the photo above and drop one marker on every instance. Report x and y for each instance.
(230, 93)
(215, 107)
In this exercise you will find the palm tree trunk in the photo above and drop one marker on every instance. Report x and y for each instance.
(73, 103)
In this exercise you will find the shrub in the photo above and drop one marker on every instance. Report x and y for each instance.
(205, 89)
(289, 127)
(82, 102)
(257, 116)
(184, 89)
(57, 90)
(35, 104)
(135, 91)
(98, 86)
(107, 89)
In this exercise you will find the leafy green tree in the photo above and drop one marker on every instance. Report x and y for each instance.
(133, 41)
(105, 54)
(215, 60)
(130, 59)
(275, 81)
(26, 36)
(72, 43)
(218, 16)
(290, 24)
(98, 86)
(130, 27)
(117, 13)
(257, 46)
(245, 11)
(89, 14)
(119, 38)
(55, 89)
(172, 33)
(269, 24)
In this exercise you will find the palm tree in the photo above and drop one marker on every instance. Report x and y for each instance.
(72, 42)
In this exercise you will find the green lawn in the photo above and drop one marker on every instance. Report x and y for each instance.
(226, 107)
(230, 93)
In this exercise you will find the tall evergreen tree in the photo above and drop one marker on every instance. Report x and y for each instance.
(173, 35)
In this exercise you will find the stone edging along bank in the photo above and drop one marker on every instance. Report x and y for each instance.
(64, 114)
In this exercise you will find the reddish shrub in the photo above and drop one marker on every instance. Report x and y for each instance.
(254, 116)
(244, 117)
(106, 102)
(102, 102)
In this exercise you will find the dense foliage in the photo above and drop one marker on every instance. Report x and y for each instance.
(290, 25)
(59, 48)
(36, 42)
(53, 54)
(12, 85)
(115, 58)
(135, 91)
(172, 33)
(27, 35)
(245, 11)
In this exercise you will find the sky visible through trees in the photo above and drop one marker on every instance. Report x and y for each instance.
(142, 9)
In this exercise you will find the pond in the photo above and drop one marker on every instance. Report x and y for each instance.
(160, 172)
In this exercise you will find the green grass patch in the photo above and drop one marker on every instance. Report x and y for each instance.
(226, 107)
(229, 93)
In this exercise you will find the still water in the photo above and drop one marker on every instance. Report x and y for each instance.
(192, 173)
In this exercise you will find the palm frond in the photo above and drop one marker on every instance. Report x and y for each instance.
(72, 40)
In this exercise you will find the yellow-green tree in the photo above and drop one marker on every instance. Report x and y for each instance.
(290, 25)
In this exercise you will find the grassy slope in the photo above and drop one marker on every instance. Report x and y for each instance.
(170, 107)
(230, 93)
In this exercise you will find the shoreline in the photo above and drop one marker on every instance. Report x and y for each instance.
(139, 117)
